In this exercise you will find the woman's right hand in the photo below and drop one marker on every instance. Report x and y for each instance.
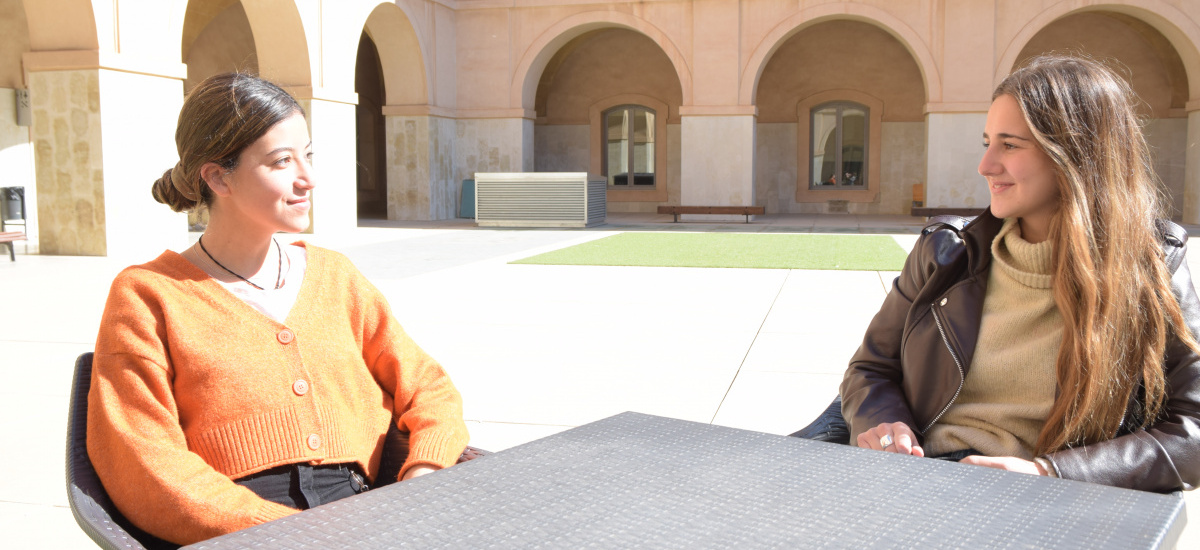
(895, 437)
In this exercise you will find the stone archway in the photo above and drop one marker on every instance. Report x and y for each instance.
(602, 69)
(808, 17)
(839, 63)
(523, 91)
(217, 39)
(1175, 26)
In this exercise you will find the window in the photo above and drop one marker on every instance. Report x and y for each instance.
(629, 147)
(839, 146)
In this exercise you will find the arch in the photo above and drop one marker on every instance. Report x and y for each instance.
(1175, 25)
(826, 12)
(402, 55)
(402, 47)
(14, 42)
(523, 91)
(281, 42)
(66, 25)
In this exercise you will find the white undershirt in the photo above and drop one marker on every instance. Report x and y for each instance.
(271, 302)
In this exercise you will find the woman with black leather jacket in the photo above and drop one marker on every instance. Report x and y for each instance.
(1056, 333)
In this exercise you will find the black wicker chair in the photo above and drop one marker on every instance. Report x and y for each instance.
(829, 426)
(93, 510)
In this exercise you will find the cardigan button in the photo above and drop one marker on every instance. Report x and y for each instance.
(300, 387)
(314, 442)
(285, 336)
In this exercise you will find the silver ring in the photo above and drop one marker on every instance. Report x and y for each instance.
(886, 441)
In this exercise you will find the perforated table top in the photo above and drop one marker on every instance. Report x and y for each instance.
(634, 480)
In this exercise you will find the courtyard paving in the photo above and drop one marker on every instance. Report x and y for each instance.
(533, 349)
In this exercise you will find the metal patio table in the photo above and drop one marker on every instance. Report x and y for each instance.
(635, 480)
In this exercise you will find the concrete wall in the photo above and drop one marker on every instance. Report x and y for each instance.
(719, 166)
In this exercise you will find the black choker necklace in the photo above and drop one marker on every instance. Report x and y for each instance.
(278, 277)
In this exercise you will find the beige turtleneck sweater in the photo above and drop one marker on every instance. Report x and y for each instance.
(1010, 384)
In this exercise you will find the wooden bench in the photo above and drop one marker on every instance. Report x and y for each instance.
(734, 210)
(931, 212)
(8, 237)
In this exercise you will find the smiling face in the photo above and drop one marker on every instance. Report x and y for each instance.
(268, 191)
(1022, 179)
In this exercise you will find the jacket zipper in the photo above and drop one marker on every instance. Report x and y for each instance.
(961, 375)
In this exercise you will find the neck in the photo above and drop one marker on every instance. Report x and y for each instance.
(246, 253)
(1034, 230)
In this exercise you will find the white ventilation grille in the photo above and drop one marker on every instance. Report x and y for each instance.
(539, 199)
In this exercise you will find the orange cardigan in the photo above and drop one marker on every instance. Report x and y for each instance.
(192, 388)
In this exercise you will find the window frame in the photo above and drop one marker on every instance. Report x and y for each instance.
(662, 146)
(804, 191)
(839, 107)
(631, 174)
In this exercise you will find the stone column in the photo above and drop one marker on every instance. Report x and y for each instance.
(420, 166)
(953, 145)
(332, 125)
(103, 131)
(1191, 171)
(717, 165)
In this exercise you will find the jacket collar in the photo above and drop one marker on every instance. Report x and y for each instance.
(977, 238)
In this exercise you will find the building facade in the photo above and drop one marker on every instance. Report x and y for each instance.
(800, 106)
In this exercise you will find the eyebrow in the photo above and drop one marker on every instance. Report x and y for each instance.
(1007, 136)
(286, 148)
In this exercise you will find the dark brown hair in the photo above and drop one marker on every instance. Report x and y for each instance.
(1110, 281)
(220, 118)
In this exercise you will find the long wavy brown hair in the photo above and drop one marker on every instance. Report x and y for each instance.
(1110, 280)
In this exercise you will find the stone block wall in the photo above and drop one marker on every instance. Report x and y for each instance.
(70, 172)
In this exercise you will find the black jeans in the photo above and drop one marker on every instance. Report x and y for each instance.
(303, 486)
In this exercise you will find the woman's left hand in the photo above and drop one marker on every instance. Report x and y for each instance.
(1010, 463)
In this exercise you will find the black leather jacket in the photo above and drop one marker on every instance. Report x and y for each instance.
(917, 349)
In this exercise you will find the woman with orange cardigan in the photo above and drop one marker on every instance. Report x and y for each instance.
(245, 379)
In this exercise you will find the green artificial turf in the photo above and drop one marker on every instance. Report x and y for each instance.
(747, 250)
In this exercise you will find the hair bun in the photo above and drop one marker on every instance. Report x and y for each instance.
(167, 192)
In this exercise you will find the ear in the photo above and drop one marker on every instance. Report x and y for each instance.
(214, 176)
